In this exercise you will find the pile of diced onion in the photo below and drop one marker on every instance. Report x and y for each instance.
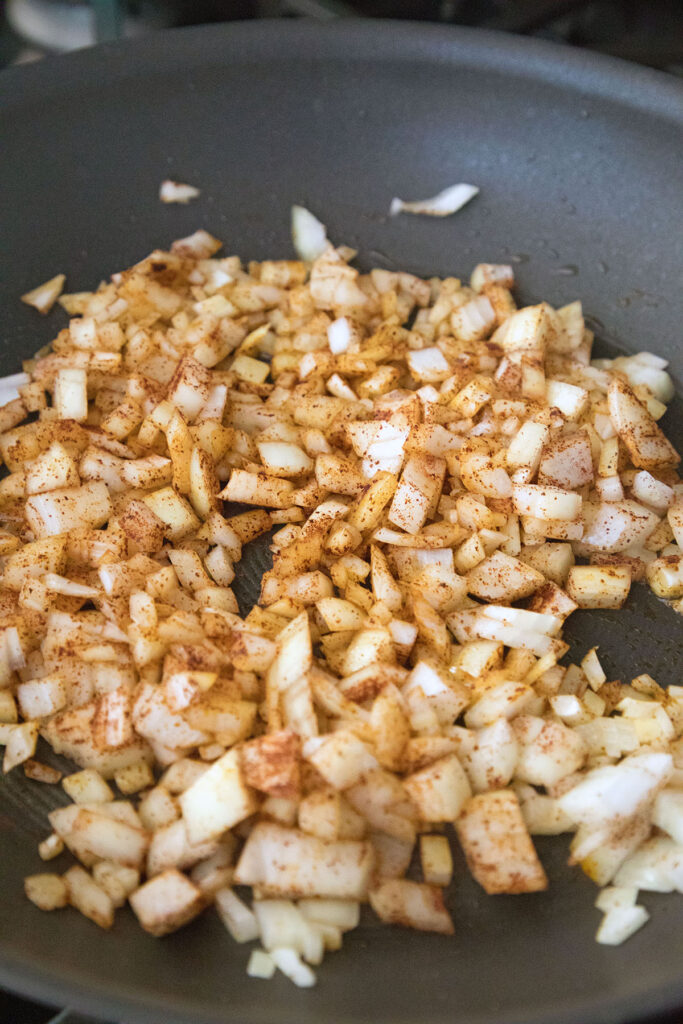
(448, 478)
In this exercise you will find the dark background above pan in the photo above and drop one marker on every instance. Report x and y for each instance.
(646, 31)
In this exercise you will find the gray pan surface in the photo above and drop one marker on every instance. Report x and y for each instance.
(579, 161)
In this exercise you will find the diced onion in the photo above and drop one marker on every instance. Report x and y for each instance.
(177, 192)
(443, 204)
(442, 479)
(308, 234)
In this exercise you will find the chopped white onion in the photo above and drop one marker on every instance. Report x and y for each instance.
(443, 204)
(620, 923)
(422, 448)
(176, 192)
(9, 387)
(45, 295)
(339, 333)
(291, 964)
(308, 234)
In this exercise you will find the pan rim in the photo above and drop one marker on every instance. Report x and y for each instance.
(353, 39)
(595, 75)
(81, 994)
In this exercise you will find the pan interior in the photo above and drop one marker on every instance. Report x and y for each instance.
(577, 161)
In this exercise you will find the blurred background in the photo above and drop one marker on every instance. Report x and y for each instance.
(646, 31)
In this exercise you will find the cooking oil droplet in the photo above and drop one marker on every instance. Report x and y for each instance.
(569, 270)
(554, 254)
(520, 257)
(648, 299)
(602, 267)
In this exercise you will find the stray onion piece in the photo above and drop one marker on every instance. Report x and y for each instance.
(45, 295)
(309, 236)
(445, 203)
(443, 496)
(176, 192)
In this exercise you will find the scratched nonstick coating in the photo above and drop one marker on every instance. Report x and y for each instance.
(579, 164)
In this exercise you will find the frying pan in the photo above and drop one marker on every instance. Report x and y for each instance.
(579, 163)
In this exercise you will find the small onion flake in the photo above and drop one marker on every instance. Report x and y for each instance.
(45, 295)
(443, 204)
(177, 192)
(309, 235)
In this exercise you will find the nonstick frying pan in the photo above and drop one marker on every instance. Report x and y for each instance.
(579, 163)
